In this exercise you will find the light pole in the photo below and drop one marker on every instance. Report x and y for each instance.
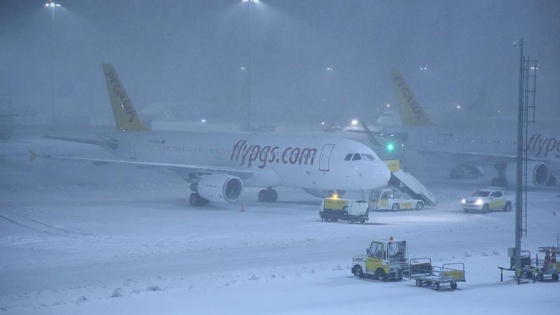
(250, 68)
(329, 94)
(51, 5)
(520, 161)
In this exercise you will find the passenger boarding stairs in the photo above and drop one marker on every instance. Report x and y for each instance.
(410, 184)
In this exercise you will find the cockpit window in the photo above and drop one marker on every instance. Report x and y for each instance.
(368, 157)
(359, 156)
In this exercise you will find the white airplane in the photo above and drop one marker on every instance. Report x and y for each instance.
(467, 147)
(218, 166)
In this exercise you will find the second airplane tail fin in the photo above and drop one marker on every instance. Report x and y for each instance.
(412, 114)
(126, 118)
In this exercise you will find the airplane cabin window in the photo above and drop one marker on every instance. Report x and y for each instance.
(356, 157)
(348, 157)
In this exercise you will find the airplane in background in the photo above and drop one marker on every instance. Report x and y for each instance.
(9, 117)
(471, 147)
(218, 166)
(7, 125)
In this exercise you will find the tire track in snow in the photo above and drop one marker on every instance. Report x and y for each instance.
(13, 215)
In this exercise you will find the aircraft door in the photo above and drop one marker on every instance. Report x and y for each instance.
(325, 157)
(496, 200)
(375, 257)
(384, 201)
(132, 148)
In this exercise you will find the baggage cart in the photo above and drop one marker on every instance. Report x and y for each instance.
(422, 270)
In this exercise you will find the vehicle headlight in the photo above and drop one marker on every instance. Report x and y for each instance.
(463, 201)
(478, 202)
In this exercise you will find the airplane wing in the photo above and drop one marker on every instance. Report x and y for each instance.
(181, 169)
(477, 156)
(370, 134)
(79, 140)
(470, 155)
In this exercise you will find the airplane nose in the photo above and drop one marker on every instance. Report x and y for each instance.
(381, 174)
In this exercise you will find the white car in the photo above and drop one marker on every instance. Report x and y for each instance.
(485, 200)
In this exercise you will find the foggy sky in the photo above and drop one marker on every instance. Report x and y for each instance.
(189, 54)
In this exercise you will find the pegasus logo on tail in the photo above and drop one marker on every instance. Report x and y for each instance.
(410, 110)
(116, 88)
(125, 115)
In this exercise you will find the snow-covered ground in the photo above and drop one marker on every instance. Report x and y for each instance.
(77, 238)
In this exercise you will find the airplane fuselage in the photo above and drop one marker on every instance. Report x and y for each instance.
(310, 163)
(543, 144)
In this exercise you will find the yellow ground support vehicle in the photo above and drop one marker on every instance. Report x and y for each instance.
(334, 209)
(384, 260)
(394, 200)
(550, 265)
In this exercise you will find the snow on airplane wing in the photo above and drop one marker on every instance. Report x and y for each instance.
(486, 157)
(181, 169)
(78, 140)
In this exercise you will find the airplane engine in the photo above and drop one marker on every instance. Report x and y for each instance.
(220, 188)
(538, 174)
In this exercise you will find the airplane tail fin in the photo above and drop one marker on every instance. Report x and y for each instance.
(126, 118)
(410, 110)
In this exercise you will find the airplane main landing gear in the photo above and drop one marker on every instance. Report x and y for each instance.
(499, 182)
(551, 181)
(268, 195)
(196, 200)
(465, 171)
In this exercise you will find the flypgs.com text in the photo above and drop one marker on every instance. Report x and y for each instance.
(250, 154)
(542, 146)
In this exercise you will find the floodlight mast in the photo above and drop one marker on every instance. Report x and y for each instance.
(250, 68)
(50, 4)
(520, 161)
